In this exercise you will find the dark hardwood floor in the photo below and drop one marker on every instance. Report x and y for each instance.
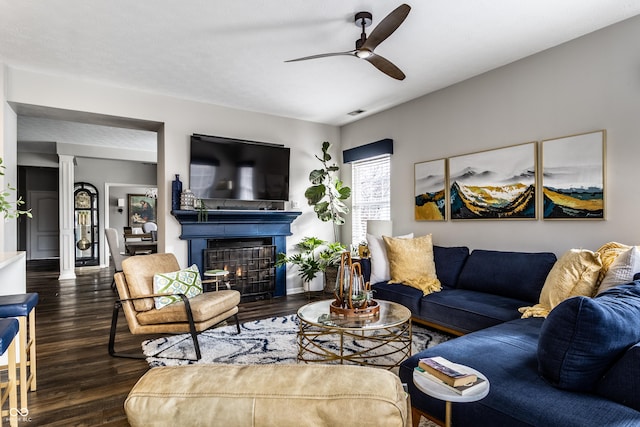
(79, 384)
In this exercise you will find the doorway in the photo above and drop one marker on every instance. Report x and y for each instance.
(40, 234)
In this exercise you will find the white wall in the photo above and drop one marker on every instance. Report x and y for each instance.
(587, 84)
(8, 153)
(180, 119)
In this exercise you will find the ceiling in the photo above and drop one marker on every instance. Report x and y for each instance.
(232, 53)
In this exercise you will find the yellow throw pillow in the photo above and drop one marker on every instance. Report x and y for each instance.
(411, 263)
(574, 274)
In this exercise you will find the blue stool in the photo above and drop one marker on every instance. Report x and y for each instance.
(23, 307)
(8, 332)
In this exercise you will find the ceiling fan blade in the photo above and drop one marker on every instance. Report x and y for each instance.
(323, 55)
(386, 27)
(385, 66)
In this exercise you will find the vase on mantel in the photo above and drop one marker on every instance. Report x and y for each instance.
(176, 190)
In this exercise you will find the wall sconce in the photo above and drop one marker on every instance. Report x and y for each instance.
(120, 205)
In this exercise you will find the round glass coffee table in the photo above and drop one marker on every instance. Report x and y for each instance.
(383, 340)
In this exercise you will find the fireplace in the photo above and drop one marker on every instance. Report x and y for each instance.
(237, 227)
(250, 263)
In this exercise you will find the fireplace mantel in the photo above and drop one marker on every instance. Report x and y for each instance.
(234, 224)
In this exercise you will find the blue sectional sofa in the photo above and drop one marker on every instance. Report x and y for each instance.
(578, 367)
(479, 289)
(541, 371)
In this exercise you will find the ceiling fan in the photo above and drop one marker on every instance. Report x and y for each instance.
(365, 46)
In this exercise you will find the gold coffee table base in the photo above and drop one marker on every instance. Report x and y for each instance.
(385, 337)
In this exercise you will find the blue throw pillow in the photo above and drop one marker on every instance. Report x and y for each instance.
(449, 262)
(518, 275)
(582, 337)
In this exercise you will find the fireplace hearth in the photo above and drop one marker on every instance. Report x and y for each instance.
(223, 227)
(250, 264)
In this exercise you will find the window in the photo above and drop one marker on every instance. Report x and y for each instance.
(371, 194)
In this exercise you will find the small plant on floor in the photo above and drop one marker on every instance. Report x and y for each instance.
(313, 257)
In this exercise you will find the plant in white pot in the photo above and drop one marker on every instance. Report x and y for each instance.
(313, 257)
(327, 194)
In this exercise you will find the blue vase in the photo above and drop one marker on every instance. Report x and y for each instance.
(176, 189)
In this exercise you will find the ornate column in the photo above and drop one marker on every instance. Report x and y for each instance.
(67, 239)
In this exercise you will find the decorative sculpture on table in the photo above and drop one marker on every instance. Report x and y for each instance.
(353, 294)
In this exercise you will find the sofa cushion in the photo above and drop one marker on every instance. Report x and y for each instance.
(405, 295)
(575, 274)
(466, 311)
(506, 354)
(616, 384)
(518, 275)
(582, 337)
(379, 260)
(411, 263)
(449, 262)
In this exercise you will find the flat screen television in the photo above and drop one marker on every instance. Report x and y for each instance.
(233, 169)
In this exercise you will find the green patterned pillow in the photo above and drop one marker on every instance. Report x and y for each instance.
(185, 281)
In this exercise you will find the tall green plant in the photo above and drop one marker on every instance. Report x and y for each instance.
(10, 209)
(328, 194)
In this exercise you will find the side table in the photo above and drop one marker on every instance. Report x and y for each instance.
(442, 392)
(217, 277)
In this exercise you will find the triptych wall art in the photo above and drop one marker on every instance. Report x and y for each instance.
(502, 183)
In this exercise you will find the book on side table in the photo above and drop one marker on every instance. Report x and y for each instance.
(444, 372)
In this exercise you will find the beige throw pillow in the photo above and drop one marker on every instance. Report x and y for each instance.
(622, 269)
(411, 263)
(608, 253)
(574, 274)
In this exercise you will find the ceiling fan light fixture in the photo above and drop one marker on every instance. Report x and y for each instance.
(363, 53)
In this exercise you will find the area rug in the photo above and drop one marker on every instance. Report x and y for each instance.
(265, 341)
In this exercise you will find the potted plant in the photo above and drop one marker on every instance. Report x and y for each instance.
(314, 256)
(9, 209)
(327, 194)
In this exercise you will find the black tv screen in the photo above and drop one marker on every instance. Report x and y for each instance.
(225, 168)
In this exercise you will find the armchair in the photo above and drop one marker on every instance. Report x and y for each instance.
(191, 315)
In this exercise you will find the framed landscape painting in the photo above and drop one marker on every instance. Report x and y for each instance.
(429, 190)
(494, 184)
(573, 176)
(141, 209)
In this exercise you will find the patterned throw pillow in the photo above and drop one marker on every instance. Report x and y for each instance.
(185, 281)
